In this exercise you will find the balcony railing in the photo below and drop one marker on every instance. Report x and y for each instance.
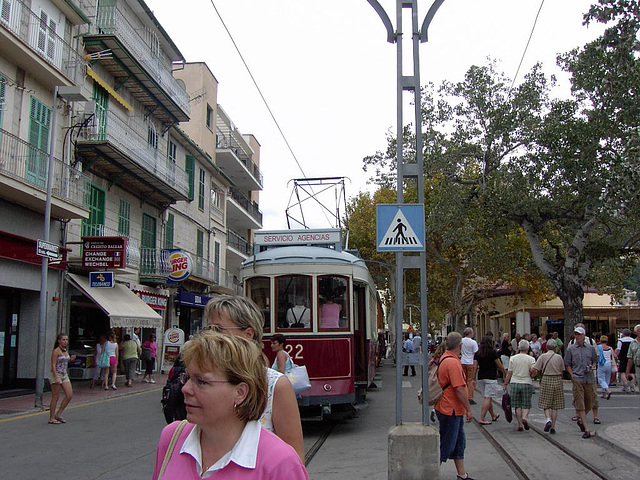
(133, 247)
(38, 33)
(128, 139)
(155, 263)
(250, 206)
(237, 242)
(24, 162)
(226, 141)
(145, 46)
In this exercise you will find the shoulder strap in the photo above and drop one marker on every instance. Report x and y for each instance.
(171, 447)
(301, 315)
(548, 360)
(439, 362)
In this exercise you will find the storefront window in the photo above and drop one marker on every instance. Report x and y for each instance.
(259, 290)
(293, 302)
(333, 301)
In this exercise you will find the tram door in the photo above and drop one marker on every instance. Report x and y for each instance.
(360, 334)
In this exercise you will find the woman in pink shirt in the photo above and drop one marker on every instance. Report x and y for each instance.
(224, 389)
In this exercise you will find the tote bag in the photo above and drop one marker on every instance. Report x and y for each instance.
(299, 378)
(103, 360)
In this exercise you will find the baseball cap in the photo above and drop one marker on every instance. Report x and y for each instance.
(579, 330)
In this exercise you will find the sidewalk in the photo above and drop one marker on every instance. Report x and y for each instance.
(25, 404)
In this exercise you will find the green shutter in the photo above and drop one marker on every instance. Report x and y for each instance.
(200, 243)
(168, 232)
(101, 99)
(92, 226)
(201, 185)
(148, 238)
(124, 217)
(190, 168)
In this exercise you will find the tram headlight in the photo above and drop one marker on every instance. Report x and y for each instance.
(327, 388)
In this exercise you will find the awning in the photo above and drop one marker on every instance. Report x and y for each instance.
(125, 309)
(111, 91)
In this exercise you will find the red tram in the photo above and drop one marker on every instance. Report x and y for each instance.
(324, 301)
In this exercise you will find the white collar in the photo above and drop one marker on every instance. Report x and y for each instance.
(243, 453)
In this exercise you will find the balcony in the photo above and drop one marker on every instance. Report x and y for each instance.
(242, 213)
(23, 180)
(118, 151)
(38, 49)
(234, 156)
(239, 244)
(139, 63)
(133, 247)
(154, 265)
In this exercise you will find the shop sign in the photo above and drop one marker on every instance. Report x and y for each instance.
(155, 301)
(101, 280)
(173, 341)
(192, 299)
(180, 266)
(104, 252)
(23, 249)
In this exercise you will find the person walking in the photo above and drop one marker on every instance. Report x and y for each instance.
(606, 359)
(633, 357)
(551, 398)
(454, 405)
(149, 352)
(622, 349)
(225, 393)
(596, 406)
(282, 363)
(580, 361)
(407, 347)
(488, 365)
(469, 349)
(130, 351)
(112, 348)
(59, 379)
(505, 350)
(520, 384)
(135, 336)
(99, 371)
(417, 343)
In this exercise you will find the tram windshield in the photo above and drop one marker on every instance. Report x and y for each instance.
(333, 301)
(293, 302)
(259, 290)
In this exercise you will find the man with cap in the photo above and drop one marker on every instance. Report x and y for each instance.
(580, 360)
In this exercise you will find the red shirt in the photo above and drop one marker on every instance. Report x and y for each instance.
(450, 372)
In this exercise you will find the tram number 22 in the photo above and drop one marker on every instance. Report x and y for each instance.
(298, 351)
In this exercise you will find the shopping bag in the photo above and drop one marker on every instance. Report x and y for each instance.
(299, 379)
(506, 406)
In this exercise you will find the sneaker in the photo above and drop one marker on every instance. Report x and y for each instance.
(145, 380)
(152, 381)
(114, 387)
(433, 416)
(625, 389)
(547, 426)
(632, 389)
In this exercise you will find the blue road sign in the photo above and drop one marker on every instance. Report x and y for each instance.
(101, 280)
(400, 227)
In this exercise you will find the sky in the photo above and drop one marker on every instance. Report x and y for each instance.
(329, 76)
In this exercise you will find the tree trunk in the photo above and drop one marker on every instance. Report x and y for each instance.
(572, 295)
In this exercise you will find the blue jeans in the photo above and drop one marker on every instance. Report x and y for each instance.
(452, 439)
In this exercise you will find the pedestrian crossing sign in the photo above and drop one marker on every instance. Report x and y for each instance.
(400, 227)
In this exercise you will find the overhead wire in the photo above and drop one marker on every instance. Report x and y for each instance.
(526, 46)
(255, 83)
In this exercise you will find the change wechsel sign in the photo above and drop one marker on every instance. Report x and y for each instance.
(104, 252)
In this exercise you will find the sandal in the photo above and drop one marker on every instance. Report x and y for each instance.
(495, 419)
(466, 477)
(582, 429)
(54, 422)
(526, 424)
(575, 418)
(484, 423)
(61, 420)
(588, 434)
(597, 421)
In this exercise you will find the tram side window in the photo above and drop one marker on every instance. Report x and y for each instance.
(259, 290)
(293, 302)
(333, 301)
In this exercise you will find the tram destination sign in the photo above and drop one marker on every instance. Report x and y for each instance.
(104, 252)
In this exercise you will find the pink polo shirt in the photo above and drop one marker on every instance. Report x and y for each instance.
(275, 460)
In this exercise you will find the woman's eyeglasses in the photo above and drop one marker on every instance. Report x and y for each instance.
(221, 329)
(199, 382)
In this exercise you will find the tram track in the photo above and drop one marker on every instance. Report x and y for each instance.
(516, 464)
(317, 445)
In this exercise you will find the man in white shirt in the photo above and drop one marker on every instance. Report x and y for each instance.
(407, 347)
(417, 343)
(469, 363)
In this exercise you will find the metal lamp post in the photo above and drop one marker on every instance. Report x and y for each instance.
(413, 171)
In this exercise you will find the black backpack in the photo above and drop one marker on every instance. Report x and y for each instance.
(172, 398)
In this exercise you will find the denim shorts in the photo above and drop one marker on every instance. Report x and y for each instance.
(452, 439)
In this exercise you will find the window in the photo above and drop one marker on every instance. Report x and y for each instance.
(190, 168)
(124, 217)
(199, 263)
(172, 154)
(46, 42)
(5, 12)
(293, 301)
(101, 100)
(259, 290)
(333, 311)
(168, 231)
(37, 160)
(201, 185)
(152, 136)
(148, 237)
(94, 225)
(216, 198)
(209, 118)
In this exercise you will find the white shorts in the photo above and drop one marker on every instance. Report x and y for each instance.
(489, 388)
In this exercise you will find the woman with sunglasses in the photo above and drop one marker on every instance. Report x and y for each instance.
(236, 315)
(225, 394)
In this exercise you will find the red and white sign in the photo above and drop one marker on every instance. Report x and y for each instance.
(298, 237)
(180, 266)
(156, 299)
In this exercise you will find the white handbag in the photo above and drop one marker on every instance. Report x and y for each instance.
(299, 379)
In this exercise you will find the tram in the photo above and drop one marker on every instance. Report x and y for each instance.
(324, 301)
